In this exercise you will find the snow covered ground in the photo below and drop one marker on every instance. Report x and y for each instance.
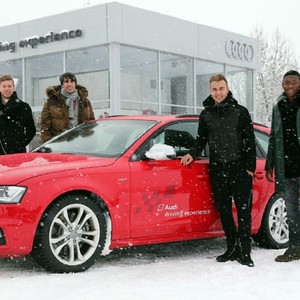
(186, 270)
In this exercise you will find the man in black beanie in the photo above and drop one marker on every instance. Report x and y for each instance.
(67, 106)
(284, 158)
(67, 75)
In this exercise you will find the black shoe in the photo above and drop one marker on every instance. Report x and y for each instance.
(292, 253)
(230, 254)
(245, 259)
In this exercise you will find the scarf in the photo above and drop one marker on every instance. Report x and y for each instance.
(72, 101)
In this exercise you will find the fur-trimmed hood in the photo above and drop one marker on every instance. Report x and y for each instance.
(54, 91)
(55, 115)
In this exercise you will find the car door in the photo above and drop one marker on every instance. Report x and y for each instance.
(168, 198)
(260, 183)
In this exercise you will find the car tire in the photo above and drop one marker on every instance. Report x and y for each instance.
(274, 231)
(71, 235)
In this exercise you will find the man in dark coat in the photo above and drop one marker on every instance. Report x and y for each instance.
(17, 127)
(284, 157)
(227, 128)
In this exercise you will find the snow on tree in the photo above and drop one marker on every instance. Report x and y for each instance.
(277, 57)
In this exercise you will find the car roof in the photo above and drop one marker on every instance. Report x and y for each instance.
(157, 118)
(170, 118)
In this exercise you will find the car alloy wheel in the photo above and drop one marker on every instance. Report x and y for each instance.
(71, 235)
(278, 222)
(274, 231)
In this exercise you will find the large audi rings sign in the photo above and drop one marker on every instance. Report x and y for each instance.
(239, 50)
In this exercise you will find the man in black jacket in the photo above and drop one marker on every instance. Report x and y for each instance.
(283, 158)
(17, 127)
(227, 128)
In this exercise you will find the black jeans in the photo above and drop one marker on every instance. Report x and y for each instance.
(231, 182)
(291, 198)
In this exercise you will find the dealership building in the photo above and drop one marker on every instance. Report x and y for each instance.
(131, 60)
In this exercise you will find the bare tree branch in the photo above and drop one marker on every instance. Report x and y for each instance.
(277, 57)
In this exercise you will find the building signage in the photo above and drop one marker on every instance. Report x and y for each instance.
(239, 50)
(34, 41)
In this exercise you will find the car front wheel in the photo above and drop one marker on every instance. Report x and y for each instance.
(70, 236)
(274, 231)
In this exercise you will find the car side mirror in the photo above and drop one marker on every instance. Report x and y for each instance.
(161, 152)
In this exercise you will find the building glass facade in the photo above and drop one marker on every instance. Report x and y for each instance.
(130, 78)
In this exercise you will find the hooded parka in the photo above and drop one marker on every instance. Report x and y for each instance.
(55, 117)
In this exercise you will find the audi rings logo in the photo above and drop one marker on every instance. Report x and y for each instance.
(239, 50)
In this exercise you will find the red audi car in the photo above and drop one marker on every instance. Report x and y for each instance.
(118, 182)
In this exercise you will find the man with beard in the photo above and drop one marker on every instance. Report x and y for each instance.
(66, 107)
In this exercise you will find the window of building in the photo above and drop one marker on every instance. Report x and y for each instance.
(42, 72)
(177, 95)
(14, 68)
(91, 67)
(241, 85)
(139, 81)
(203, 72)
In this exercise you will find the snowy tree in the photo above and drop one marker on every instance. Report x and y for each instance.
(277, 57)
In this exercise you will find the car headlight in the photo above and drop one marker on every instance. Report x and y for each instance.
(11, 194)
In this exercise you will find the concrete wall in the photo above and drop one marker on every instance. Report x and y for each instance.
(115, 22)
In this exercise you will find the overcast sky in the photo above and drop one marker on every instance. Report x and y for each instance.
(234, 15)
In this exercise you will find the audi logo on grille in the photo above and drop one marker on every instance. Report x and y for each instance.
(239, 50)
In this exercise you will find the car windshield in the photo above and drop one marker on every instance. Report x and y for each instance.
(107, 138)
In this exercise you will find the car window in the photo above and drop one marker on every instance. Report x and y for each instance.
(181, 136)
(107, 138)
(262, 142)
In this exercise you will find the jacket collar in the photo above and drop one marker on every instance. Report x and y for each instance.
(210, 103)
(283, 97)
(55, 91)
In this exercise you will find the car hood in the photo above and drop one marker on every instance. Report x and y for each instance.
(18, 167)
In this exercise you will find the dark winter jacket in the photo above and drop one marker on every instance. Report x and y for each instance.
(55, 117)
(275, 156)
(228, 130)
(17, 127)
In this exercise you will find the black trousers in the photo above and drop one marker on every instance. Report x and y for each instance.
(231, 182)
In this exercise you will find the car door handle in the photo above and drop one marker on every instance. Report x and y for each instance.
(259, 175)
(204, 176)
